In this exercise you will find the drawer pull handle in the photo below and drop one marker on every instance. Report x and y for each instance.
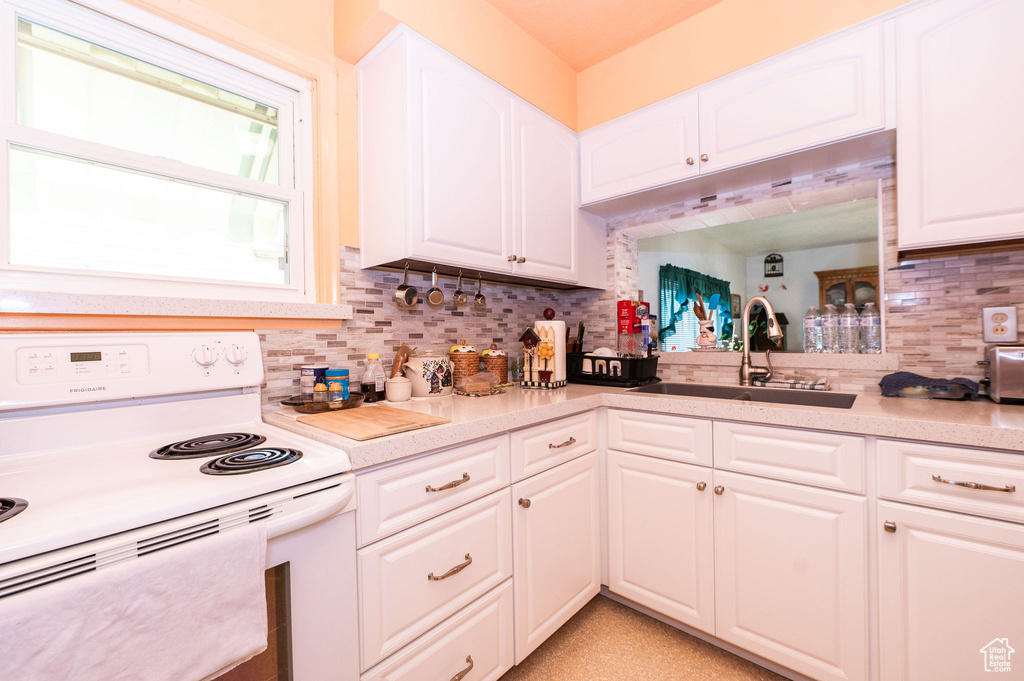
(451, 485)
(975, 485)
(454, 571)
(570, 441)
(889, 526)
(461, 675)
(525, 503)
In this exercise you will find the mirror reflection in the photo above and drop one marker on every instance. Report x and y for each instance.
(798, 251)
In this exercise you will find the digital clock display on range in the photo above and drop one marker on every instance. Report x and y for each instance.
(86, 356)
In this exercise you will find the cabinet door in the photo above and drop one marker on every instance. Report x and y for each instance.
(459, 203)
(648, 148)
(556, 548)
(791, 575)
(545, 166)
(960, 135)
(950, 595)
(660, 538)
(829, 91)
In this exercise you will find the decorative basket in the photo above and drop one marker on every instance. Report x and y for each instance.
(496, 364)
(465, 361)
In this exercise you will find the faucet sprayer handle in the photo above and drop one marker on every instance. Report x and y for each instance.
(771, 369)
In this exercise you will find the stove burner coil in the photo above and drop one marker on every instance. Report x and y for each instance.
(11, 507)
(251, 461)
(208, 445)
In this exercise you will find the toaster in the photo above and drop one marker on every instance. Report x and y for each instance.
(1004, 372)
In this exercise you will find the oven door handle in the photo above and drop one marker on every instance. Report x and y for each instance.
(329, 502)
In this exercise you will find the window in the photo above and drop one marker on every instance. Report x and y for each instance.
(678, 289)
(141, 158)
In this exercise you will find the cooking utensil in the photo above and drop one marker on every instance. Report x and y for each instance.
(401, 357)
(479, 300)
(435, 296)
(405, 295)
(459, 297)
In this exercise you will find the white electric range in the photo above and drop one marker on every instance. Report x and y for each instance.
(116, 445)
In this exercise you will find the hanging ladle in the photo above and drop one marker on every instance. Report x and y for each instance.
(459, 296)
(479, 300)
(435, 296)
(405, 295)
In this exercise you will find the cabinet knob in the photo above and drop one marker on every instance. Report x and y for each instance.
(689, 160)
(525, 503)
(521, 260)
(889, 526)
(704, 158)
(719, 489)
(701, 486)
(511, 258)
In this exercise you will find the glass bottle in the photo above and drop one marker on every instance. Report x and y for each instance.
(372, 383)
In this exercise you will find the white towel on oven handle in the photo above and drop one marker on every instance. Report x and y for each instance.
(186, 613)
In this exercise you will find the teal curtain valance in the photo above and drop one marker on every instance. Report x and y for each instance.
(679, 288)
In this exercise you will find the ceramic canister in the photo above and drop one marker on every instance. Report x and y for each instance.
(431, 375)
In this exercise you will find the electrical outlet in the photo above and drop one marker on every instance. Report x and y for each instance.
(999, 324)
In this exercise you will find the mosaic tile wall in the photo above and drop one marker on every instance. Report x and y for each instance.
(932, 307)
(379, 326)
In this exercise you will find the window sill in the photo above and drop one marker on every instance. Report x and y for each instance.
(884, 362)
(44, 303)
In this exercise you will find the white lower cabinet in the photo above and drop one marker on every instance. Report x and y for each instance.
(660, 538)
(416, 579)
(950, 595)
(476, 643)
(556, 547)
(791, 575)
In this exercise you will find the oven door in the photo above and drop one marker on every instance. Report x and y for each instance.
(311, 590)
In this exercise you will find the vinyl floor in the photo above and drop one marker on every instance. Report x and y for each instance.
(606, 641)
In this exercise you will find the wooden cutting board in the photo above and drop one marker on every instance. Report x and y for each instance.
(366, 423)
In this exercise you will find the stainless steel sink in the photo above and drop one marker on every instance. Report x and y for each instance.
(811, 398)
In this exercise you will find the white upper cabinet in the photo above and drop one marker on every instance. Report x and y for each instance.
(960, 137)
(455, 170)
(545, 169)
(821, 93)
(459, 210)
(651, 147)
(828, 91)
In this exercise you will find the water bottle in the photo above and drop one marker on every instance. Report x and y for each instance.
(849, 330)
(830, 329)
(870, 330)
(812, 330)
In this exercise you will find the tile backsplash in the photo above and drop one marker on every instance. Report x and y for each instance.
(932, 306)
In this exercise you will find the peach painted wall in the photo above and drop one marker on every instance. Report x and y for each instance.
(303, 25)
(476, 33)
(727, 37)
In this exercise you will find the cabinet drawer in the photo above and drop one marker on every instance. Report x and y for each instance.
(542, 447)
(400, 496)
(482, 633)
(907, 472)
(805, 456)
(401, 595)
(677, 438)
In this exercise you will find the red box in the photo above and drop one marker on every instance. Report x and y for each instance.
(630, 312)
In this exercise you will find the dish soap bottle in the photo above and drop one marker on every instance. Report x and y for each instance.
(372, 383)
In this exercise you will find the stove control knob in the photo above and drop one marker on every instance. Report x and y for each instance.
(204, 356)
(235, 354)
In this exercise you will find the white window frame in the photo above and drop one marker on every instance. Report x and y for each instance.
(133, 31)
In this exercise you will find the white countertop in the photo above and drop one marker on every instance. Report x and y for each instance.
(978, 423)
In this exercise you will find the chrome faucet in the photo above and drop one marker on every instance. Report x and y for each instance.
(748, 371)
